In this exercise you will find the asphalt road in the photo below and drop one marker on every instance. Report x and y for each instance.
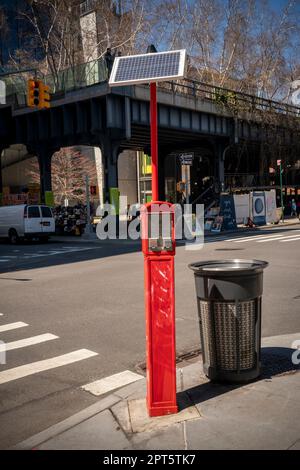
(89, 296)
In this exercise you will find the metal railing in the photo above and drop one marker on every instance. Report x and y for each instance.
(95, 72)
(230, 99)
(69, 79)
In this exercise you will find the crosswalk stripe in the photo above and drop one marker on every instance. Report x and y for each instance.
(23, 343)
(260, 237)
(278, 238)
(99, 387)
(291, 240)
(266, 240)
(12, 326)
(47, 364)
(256, 237)
(57, 252)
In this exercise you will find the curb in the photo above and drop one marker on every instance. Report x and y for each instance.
(115, 399)
(67, 424)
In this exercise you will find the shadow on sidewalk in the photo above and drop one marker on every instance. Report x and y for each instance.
(276, 361)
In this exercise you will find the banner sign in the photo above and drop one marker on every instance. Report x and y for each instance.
(227, 210)
(242, 207)
(271, 213)
(49, 198)
(114, 199)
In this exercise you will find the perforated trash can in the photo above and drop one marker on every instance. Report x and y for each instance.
(229, 294)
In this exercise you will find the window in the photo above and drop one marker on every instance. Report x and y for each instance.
(33, 212)
(46, 211)
(87, 6)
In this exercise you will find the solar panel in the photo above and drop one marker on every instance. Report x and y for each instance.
(145, 68)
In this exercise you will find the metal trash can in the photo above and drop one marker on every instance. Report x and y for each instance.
(229, 296)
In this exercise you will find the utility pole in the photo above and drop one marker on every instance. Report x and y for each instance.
(279, 163)
(88, 207)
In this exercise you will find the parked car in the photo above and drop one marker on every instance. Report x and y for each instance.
(26, 222)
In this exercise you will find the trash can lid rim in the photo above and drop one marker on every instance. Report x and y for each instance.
(228, 266)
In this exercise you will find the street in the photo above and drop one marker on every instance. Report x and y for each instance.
(80, 308)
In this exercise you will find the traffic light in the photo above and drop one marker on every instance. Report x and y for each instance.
(44, 96)
(33, 95)
(38, 94)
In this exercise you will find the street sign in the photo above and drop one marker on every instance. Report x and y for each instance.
(186, 158)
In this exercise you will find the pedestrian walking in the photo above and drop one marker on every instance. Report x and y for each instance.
(109, 59)
(293, 208)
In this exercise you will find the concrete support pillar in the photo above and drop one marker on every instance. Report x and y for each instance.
(44, 155)
(110, 152)
(263, 166)
(220, 166)
(1, 183)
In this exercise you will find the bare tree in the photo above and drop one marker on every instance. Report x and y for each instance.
(69, 36)
(69, 170)
(245, 45)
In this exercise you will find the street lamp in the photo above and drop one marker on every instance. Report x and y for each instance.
(279, 164)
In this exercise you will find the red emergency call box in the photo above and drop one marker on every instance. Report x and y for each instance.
(158, 245)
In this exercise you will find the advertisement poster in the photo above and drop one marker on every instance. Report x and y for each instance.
(271, 214)
(259, 208)
(227, 210)
(242, 207)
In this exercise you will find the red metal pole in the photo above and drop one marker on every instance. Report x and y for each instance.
(154, 145)
(159, 298)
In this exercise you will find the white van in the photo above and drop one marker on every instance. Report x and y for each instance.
(26, 221)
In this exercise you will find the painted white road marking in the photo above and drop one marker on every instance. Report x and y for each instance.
(44, 253)
(23, 343)
(291, 240)
(254, 239)
(278, 238)
(47, 364)
(12, 326)
(266, 240)
(1, 314)
(257, 238)
(99, 387)
(58, 251)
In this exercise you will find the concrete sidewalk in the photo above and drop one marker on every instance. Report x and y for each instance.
(262, 415)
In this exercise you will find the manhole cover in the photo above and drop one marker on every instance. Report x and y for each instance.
(277, 364)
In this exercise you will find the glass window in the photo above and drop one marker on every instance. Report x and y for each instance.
(46, 211)
(33, 212)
